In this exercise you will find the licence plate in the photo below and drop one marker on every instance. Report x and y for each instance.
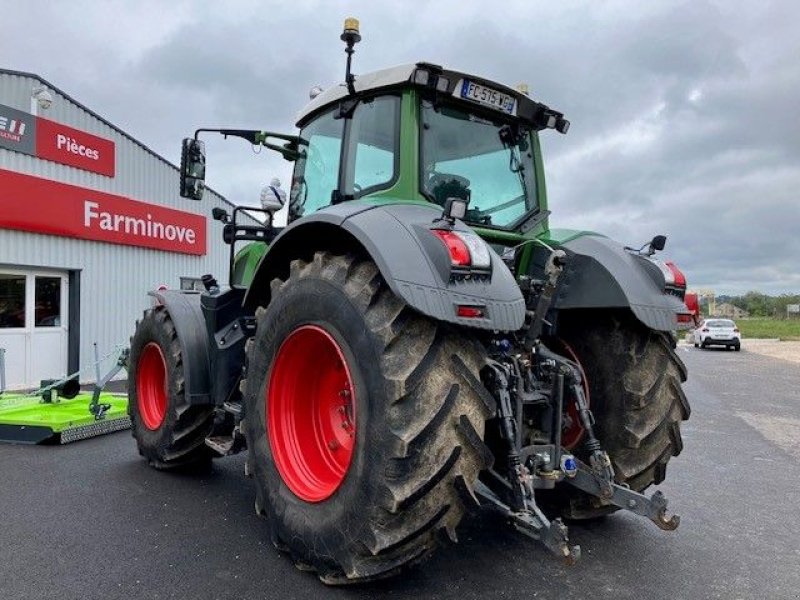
(487, 96)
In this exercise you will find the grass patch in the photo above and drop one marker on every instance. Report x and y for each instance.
(783, 329)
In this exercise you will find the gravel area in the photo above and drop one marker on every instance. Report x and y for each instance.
(783, 350)
(789, 351)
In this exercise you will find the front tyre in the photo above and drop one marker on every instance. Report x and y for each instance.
(169, 431)
(365, 422)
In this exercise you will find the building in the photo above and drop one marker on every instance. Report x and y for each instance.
(90, 219)
(729, 311)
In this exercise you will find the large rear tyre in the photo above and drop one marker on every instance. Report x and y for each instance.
(364, 422)
(169, 431)
(635, 379)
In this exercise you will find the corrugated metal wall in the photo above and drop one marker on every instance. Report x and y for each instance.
(114, 279)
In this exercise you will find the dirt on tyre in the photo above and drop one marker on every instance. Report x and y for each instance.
(635, 382)
(364, 421)
(169, 432)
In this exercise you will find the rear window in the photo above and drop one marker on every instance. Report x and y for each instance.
(720, 323)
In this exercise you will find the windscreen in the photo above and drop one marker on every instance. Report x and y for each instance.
(466, 155)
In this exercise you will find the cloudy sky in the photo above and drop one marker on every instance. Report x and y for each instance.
(685, 116)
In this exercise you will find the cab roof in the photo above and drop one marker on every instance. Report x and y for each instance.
(375, 80)
(438, 79)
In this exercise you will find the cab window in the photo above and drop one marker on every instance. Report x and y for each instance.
(375, 138)
(316, 173)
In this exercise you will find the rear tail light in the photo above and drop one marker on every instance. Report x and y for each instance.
(466, 249)
(459, 253)
(684, 318)
(678, 278)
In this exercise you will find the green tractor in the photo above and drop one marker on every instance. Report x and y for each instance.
(417, 343)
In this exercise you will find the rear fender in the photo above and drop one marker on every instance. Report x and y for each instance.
(600, 273)
(413, 262)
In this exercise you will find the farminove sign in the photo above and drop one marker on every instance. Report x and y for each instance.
(43, 138)
(29, 203)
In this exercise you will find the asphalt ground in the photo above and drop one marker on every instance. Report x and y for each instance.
(91, 520)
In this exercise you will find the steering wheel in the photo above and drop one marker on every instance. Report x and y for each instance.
(445, 185)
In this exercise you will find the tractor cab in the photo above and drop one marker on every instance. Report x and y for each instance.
(420, 133)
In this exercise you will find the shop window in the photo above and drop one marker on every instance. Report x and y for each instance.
(12, 301)
(47, 312)
(192, 284)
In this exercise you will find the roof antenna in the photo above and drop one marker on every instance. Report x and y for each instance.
(351, 37)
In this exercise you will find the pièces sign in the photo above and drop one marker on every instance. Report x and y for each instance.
(43, 138)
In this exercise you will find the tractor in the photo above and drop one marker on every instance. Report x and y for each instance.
(417, 343)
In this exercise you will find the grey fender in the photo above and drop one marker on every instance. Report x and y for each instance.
(413, 262)
(600, 273)
(187, 317)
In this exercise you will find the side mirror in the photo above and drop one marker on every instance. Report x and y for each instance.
(658, 243)
(193, 169)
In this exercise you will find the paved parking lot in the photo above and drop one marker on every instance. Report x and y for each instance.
(90, 520)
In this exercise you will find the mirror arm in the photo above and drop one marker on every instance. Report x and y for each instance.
(288, 151)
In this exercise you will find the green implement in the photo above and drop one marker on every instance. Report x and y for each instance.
(59, 413)
(28, 420)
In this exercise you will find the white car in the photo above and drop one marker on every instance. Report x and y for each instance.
(717, 332)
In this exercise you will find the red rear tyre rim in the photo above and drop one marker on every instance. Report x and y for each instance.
(573, 430)
(311, 416)
(151, 386)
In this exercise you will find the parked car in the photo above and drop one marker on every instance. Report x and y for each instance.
(717, 332)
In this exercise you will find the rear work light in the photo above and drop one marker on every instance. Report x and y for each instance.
(466, 249)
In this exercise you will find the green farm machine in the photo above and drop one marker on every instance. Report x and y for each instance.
(417, 343)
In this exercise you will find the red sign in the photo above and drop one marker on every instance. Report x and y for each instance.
(43, 206)
(73, 147)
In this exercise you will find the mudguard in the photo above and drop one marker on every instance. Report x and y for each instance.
(185, 311)
(600, 273)
(414, 263)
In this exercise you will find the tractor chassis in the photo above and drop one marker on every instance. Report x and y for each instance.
(542, 466)
(510, 377)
